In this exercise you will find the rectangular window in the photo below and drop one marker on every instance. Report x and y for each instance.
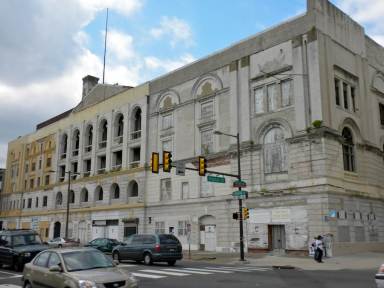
(337, 91)
(272, 97)
(37, 202)
(160, 227)
(206, 142)
(102, 161)
(40, 164)
(381, 106)
(184, 190)
(48, 162)
(166, 121)
(207, 110)
(166, 145)
(286, 93)
(29, 202)
(165, 189)
(31, 183)
(46, 180)
(182, 228)
(33, 166)
(45, 201)
(38, 182)
(345, 95)
(23, 203)
(259, 100)
(353, 98)
(26, 168)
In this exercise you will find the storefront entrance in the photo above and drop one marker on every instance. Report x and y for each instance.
(276, 237)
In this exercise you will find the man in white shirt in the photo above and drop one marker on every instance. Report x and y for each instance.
(319, 249)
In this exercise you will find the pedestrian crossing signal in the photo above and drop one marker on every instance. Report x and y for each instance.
(235, 216)
(202, 166)
(155, 162)
(245, 213)
(167, 161)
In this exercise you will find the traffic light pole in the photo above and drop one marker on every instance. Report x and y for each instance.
(240, 201)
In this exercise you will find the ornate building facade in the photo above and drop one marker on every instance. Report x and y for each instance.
(306, 98)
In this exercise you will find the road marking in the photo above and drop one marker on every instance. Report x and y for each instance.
(164, 272)
(147, 275)
(126, 265)
(190, 271)
(9, 277)
(241, 269)
(2, 272)
(207, 270)
(9, 286)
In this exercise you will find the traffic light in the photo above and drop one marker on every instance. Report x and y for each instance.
(235, 216)
(202, 166)
(167, 161)
(155, 162)
(245, 213)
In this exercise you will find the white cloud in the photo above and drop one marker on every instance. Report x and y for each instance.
(125, 7)
(167, 65)
(177, 29)
(120, 45)
(369, 13)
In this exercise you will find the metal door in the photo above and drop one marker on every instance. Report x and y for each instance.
(277, 234)
(210, 237)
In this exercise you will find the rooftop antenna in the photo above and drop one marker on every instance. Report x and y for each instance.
(105, 44)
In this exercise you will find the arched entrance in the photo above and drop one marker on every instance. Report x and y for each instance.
(56, 230)
(207, 233)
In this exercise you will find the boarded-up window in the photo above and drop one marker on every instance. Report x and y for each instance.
(272, 97)
(286, 93)
(259, 100)
(275, 151)
(359, 234)
(343, 234)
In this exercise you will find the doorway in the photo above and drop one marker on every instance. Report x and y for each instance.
(276, 237)
(56, 230)
(208, 233)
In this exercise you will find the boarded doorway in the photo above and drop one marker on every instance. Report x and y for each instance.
(276, 237)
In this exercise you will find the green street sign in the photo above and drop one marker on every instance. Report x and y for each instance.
(239, 193)
(240, 184)
(216, 179)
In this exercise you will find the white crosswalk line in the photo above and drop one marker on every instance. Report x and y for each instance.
(147, 275)
(189, 271)
(126, 265)
(164, 272)
(241, 269)
(207, 270)
(9, 286)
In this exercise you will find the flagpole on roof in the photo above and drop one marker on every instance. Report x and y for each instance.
(105, 44)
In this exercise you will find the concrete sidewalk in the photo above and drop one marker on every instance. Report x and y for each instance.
(360, 261)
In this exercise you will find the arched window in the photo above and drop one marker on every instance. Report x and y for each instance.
(88, 138)
(103, 132)
(133, 189)
(119, 125)
(59, 199)
(63, 145)
(76, 142)
(99, 193)
(71, 197)
(275, 151)
(348, 150)
(84, 195)
(136, 125)
(115, 191)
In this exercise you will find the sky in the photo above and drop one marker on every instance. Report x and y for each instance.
(48, 46)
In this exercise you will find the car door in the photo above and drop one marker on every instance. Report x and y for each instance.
(6, 255)
(94, 243)
(39, 271)
(132, 247)
(55, 279)
(123, 248)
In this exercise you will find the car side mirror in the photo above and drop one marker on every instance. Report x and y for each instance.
(116, 262)
(55, 268)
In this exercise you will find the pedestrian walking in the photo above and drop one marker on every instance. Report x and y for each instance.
(319, 249)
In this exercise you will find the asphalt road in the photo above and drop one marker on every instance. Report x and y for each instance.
(188, 274)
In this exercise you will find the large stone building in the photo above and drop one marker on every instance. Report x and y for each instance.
(306, 97)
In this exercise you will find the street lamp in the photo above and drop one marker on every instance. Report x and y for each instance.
(69, 189)
(237, 136)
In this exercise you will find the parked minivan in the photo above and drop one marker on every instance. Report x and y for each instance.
(150, 248)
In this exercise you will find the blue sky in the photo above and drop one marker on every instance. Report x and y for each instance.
(47, 47)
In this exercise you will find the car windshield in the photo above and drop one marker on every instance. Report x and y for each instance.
(27, 239)
(86, 260)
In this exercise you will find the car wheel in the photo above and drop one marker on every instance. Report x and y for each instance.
(171, 263)
(116, 256)
(147, 259)
(27, 285)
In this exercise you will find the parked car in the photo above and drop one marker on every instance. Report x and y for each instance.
(62, 242)
(379, 277)
(103, 244)
(150, 248)
(75, 267)
(18, 247)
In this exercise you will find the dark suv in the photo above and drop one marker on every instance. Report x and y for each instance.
(18, 247)
(149, 248)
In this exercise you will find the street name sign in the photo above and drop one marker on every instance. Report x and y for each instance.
(216, 179)
(240, 184)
